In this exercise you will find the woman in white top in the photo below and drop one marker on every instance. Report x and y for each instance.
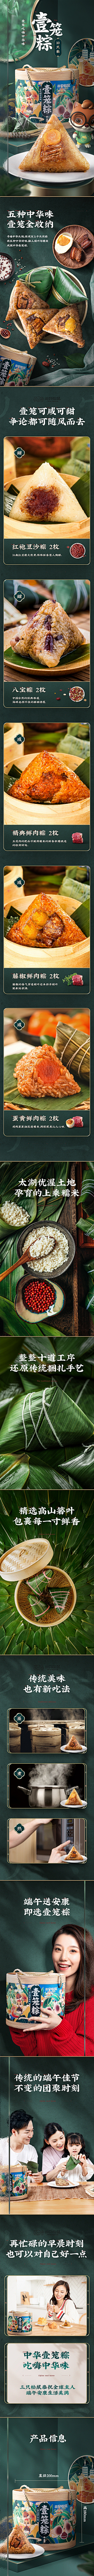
(61, 2306)
(53, 2152)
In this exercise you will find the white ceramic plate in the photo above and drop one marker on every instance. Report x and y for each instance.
(65, 177)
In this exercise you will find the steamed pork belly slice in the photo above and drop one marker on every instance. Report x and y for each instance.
(82, 243)
(47, 776)
(46, 922)
(46, 494)
(65, 324)
(54, 150)
(40, 1073)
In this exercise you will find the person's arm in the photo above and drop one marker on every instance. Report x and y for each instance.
(53, 2168)
(26, 1829)
(50, 2310)
(46, 2168)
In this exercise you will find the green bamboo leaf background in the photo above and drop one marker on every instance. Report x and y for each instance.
(53, 1414)
(18, 1474)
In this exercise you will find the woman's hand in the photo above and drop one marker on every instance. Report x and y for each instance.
(60, 1852)
(50, 2310)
